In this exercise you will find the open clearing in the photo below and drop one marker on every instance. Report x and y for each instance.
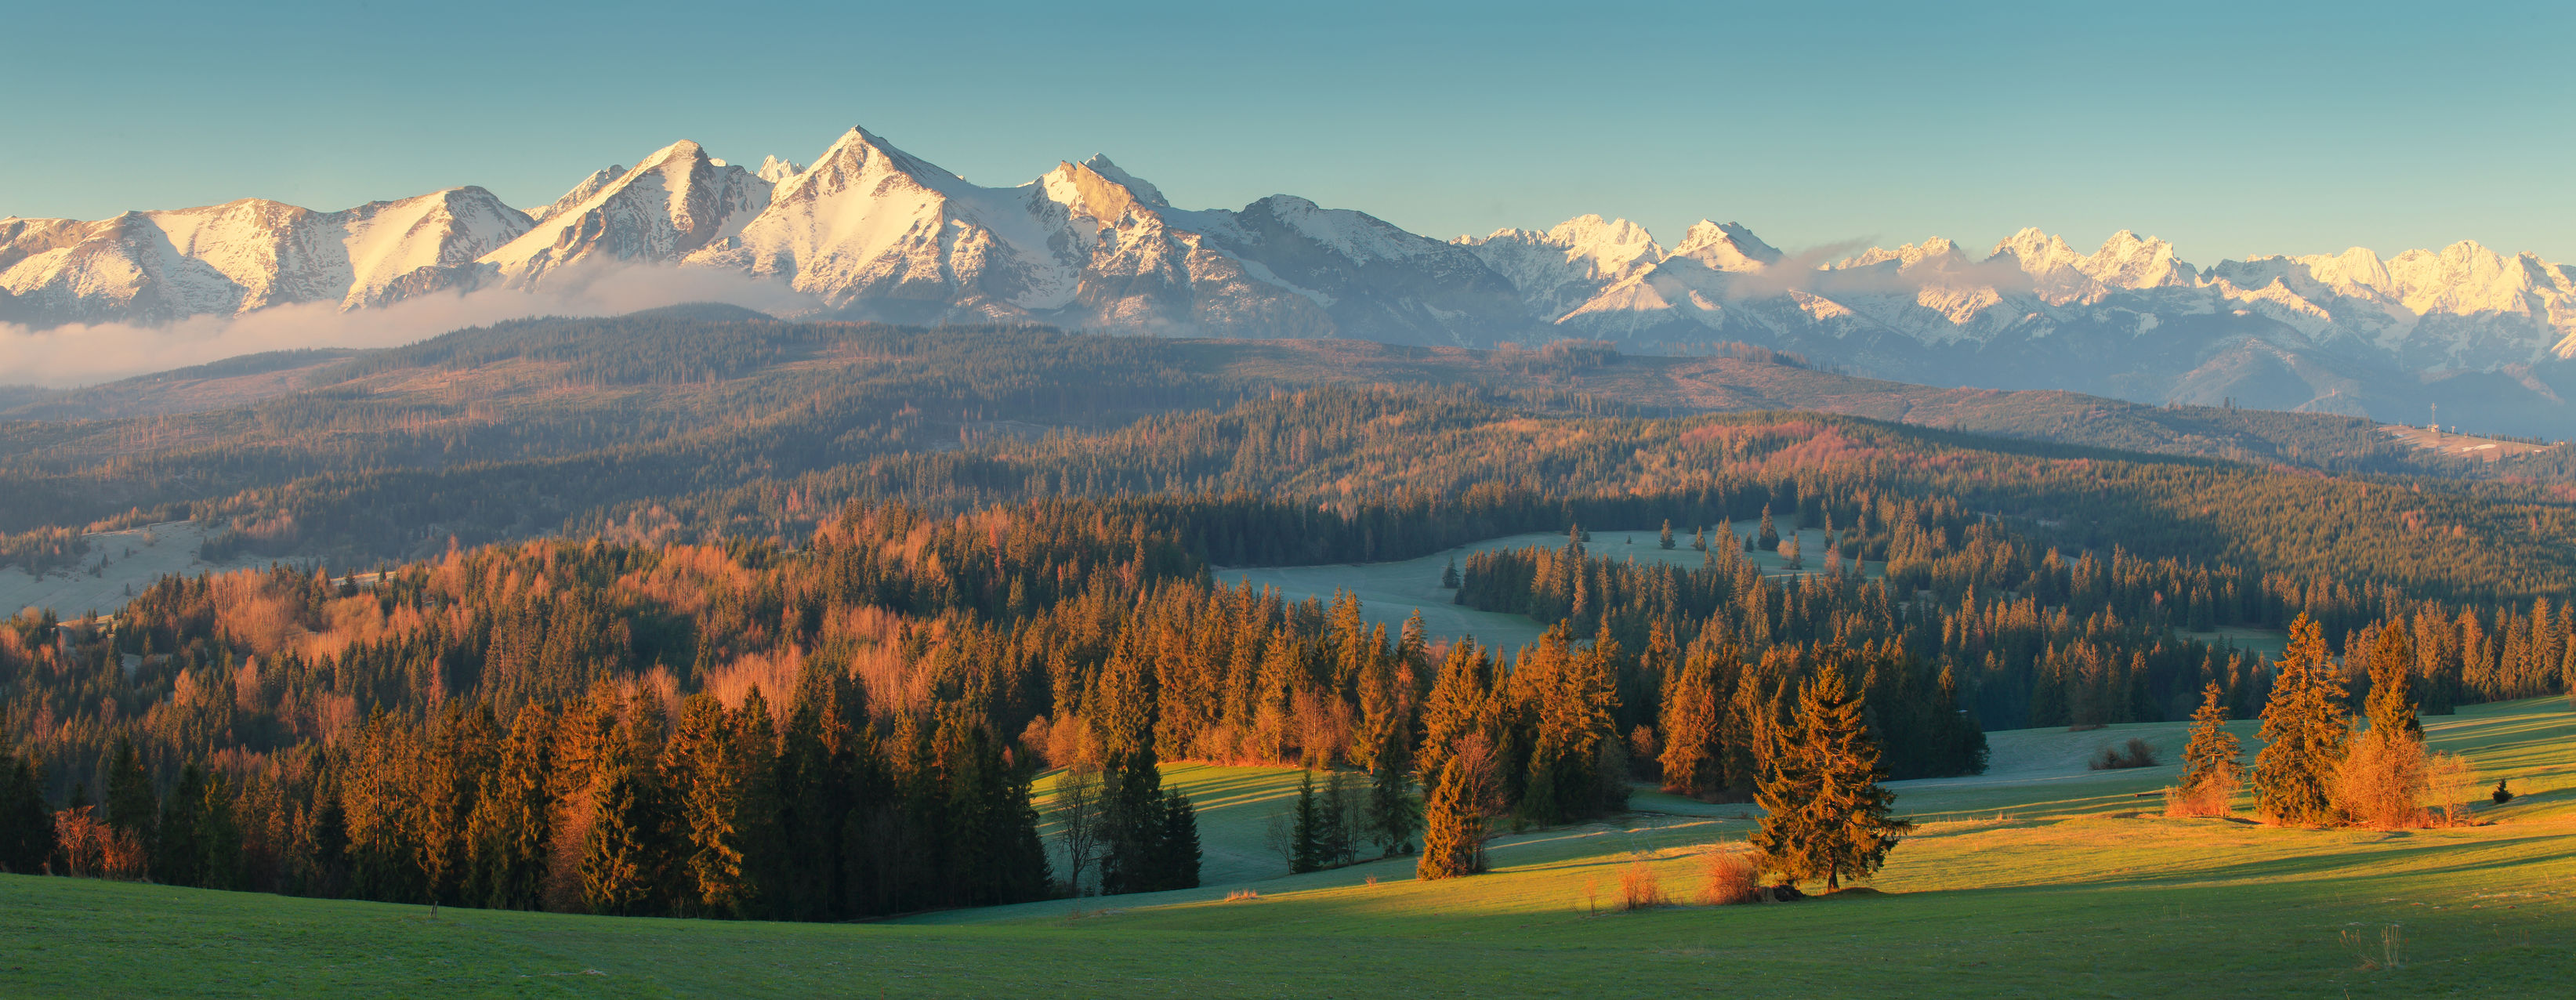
(1391, 591)
(2031, 880)
(136, 558)
(2465, 445)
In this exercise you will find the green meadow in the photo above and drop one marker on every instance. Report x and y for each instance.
(1391, 591)
(2040, 878)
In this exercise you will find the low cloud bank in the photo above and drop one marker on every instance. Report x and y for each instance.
(87, 354)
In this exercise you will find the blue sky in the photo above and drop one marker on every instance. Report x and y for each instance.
(2229, 129)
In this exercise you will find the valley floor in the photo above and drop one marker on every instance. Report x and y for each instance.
(2038, 878)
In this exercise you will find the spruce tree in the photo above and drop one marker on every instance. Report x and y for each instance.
(705, 777)
(177, 853)
(1453, 815)
(1133, 825)
(2211, 771)
(1305, 836)
(2391, 704)
(1827, 816)
(26, 826)
(1179, 843)
(513, 819)
(133, 808)
(2303, 733)
(1393, 815)
(1689, 727)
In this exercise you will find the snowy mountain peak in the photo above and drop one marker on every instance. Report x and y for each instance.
(775, 170)
(1726, 247)
(1088, 192)
(581, 192)
(672, 203)
(1147, 193)
(2126, 261)
(1911, 254)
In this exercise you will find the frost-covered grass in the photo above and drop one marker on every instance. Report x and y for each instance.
(2026, 882)
(1390, 591)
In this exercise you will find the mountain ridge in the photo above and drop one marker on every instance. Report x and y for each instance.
(870, 231)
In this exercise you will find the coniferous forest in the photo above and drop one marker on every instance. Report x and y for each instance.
(759, 653)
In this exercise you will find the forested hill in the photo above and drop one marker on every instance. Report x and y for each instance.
(523, 428)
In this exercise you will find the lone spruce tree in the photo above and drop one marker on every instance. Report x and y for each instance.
(1453, 814)
(1826, 814)
(2303, 733)
(2210, 769)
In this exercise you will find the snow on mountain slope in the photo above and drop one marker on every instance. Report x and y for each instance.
(674, 202)
(241, 256)
(873, 232)
(581, 192)
(869, 223)
(1565, 266)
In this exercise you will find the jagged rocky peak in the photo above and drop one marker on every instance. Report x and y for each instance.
(775, 170)
(1937, 253)
(1145, 192)
(1097, 189)
(581, 192)
(2127, 261)
(1726, 247)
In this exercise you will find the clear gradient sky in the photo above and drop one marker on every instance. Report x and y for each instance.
(2231, 129)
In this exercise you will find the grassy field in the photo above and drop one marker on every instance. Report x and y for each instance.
(2039, 878)
(1391, 591)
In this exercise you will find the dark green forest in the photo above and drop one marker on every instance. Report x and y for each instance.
(671, 615)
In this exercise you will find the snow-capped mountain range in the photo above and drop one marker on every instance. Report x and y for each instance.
(872, 232)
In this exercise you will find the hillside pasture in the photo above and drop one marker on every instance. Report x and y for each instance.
(1389, 592)
(2038, 879)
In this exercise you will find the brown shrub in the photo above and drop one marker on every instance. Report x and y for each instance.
(1728, 878)
(2209, 798)
(1639, 888)
(2134, 753)
(2381, 783)
(2450, 782)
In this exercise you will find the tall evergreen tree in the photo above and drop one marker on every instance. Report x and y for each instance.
(1306, 850)
(26, 826)
(178, 855)
(2211, 771)
(2303, 732)
(1689, 728)
(2391, 704)
(133, 807)
(1826, 815)
(1453, 820)
(513, 818)
(1393, 815)
(1179, 847)
(705, 777)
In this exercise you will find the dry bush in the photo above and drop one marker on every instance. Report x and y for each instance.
(774, 673)
(2450, 782)
(1728, 878)
(1640, 889)
(122, 855)
(2134, 753)
(82, 840)
(2384, 950)
(2209, 798)
(2381, 783)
